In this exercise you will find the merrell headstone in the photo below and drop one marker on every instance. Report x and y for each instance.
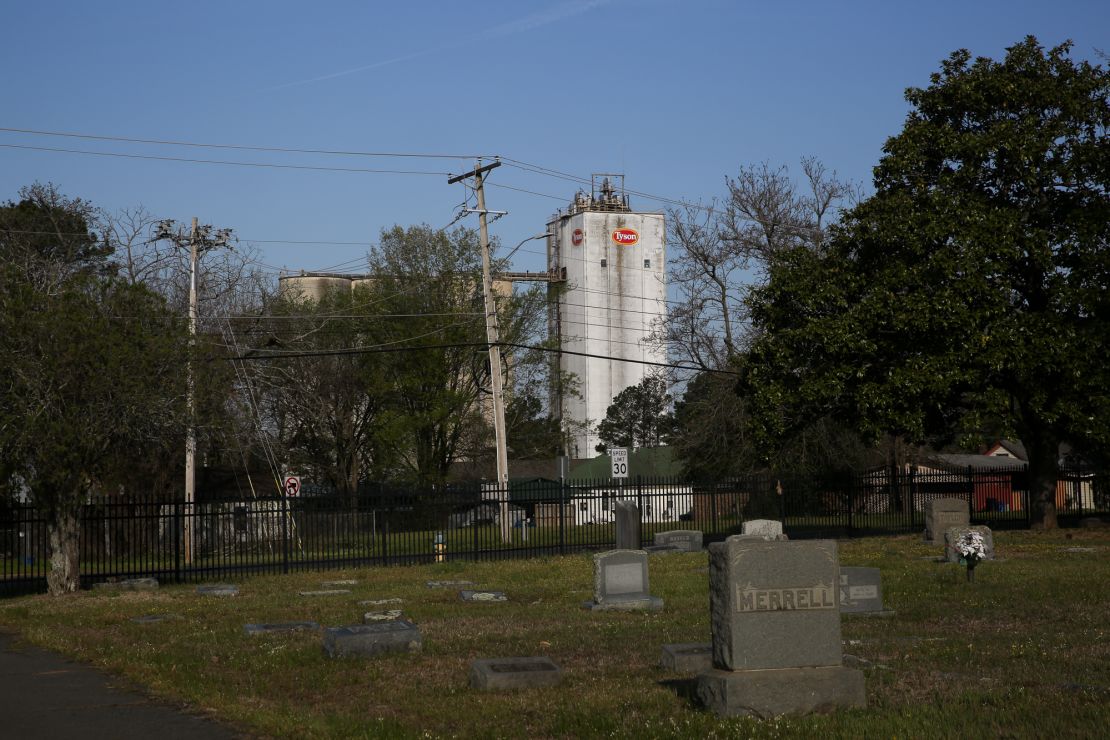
(372, 639)
(498, 674)
(943, 513)
(271, 628)
(218, 589)
(776, 630)
(952, 535)
(861, 591)
(770, 529)
(627, 516)
(467, 595)
(687, 657)
(687, 540)
(621, 582)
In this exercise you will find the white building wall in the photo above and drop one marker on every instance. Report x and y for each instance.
(615, 290)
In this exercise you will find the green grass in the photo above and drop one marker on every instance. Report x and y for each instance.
(1022, 652)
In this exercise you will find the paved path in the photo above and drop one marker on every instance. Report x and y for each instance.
(43, 695)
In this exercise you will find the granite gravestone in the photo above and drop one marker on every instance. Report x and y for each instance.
(769, 529)
(621, 582)
(952, 535)
(687, 657)
(382, 616)
(776, 630)
(686, 540)
(467, 595)
(627, 516)
(218, 589)
(943, 513)
(861, 591)
(397, 636)
(498, 674)
(271, 628)
(325, 592)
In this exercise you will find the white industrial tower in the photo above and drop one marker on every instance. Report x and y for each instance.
(613, 262)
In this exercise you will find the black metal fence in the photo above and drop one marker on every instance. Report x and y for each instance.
(128, 537)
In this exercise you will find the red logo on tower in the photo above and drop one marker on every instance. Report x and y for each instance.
(627, 237)
(576, 237)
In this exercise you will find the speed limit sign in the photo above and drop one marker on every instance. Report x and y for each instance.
(292, 485)
(619, 458)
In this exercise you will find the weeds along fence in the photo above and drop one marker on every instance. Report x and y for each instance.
(130, 537)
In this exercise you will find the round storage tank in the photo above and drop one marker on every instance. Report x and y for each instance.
(311, 287)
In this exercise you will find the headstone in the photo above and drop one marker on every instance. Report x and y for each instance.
(483, 596)
(449, 584)
(861, 591)
(154, 618)
(218, 589)
(687, 657)
(372, 639)
(776, 630)
(621, 582)
(687, 540)
(279, 628)
(345, 582)
(379, 602)
(383, 616)
(943, 513)
(952, 536)
(327, 592)
(499, 674)
(627, 516)
(768, 529)
(129, 584)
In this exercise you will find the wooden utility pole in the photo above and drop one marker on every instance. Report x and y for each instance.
(201, 238)
(493, 338)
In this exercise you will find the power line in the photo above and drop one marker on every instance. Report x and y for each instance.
(290, 150)
(226, 162)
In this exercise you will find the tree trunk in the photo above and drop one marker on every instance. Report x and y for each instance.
(63, 527)
(1042, 482)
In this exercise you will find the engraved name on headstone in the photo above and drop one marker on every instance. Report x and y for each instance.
(688, 540)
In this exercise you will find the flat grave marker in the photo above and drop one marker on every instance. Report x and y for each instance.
(218, 589)
(380, 602)
(387, 615)
(368, 640)
(687, 540)
(274, 628)
(489, 596)
(129, 584)
(449, 584)
(344, 582)
(501, 674)
(687, 657)
(325, 592)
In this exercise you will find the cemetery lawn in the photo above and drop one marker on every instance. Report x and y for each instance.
(1024, 651)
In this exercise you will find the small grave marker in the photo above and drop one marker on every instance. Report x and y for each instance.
(861, 591)
(345, 582)
(383, 616)
(943, 513)
(687, 540)
(365, 640)
(449, 584)
(379, 602)
(270, 628)
(326, 592)
(499, 674)
(129, 584)
(483, 596)
(621, 582)
(154, 618)
(218, 589)
(768, 529)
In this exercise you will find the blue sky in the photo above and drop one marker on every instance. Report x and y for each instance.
(676, 95)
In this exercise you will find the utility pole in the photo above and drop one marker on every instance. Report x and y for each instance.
(200, 238)
(493, 338)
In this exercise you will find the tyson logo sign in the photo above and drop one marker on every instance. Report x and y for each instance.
(627, 237)
(576, 237)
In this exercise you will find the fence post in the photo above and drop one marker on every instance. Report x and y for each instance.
(562, 515)
(178, 512)
(970, 491)
(852, 479)
(640, 508)
(285, 532)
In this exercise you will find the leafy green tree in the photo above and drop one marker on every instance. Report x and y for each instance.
(92, 368)
(972, 283)
(639, 416)
(532, 433)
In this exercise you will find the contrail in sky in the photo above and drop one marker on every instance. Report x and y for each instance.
(528, 23)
